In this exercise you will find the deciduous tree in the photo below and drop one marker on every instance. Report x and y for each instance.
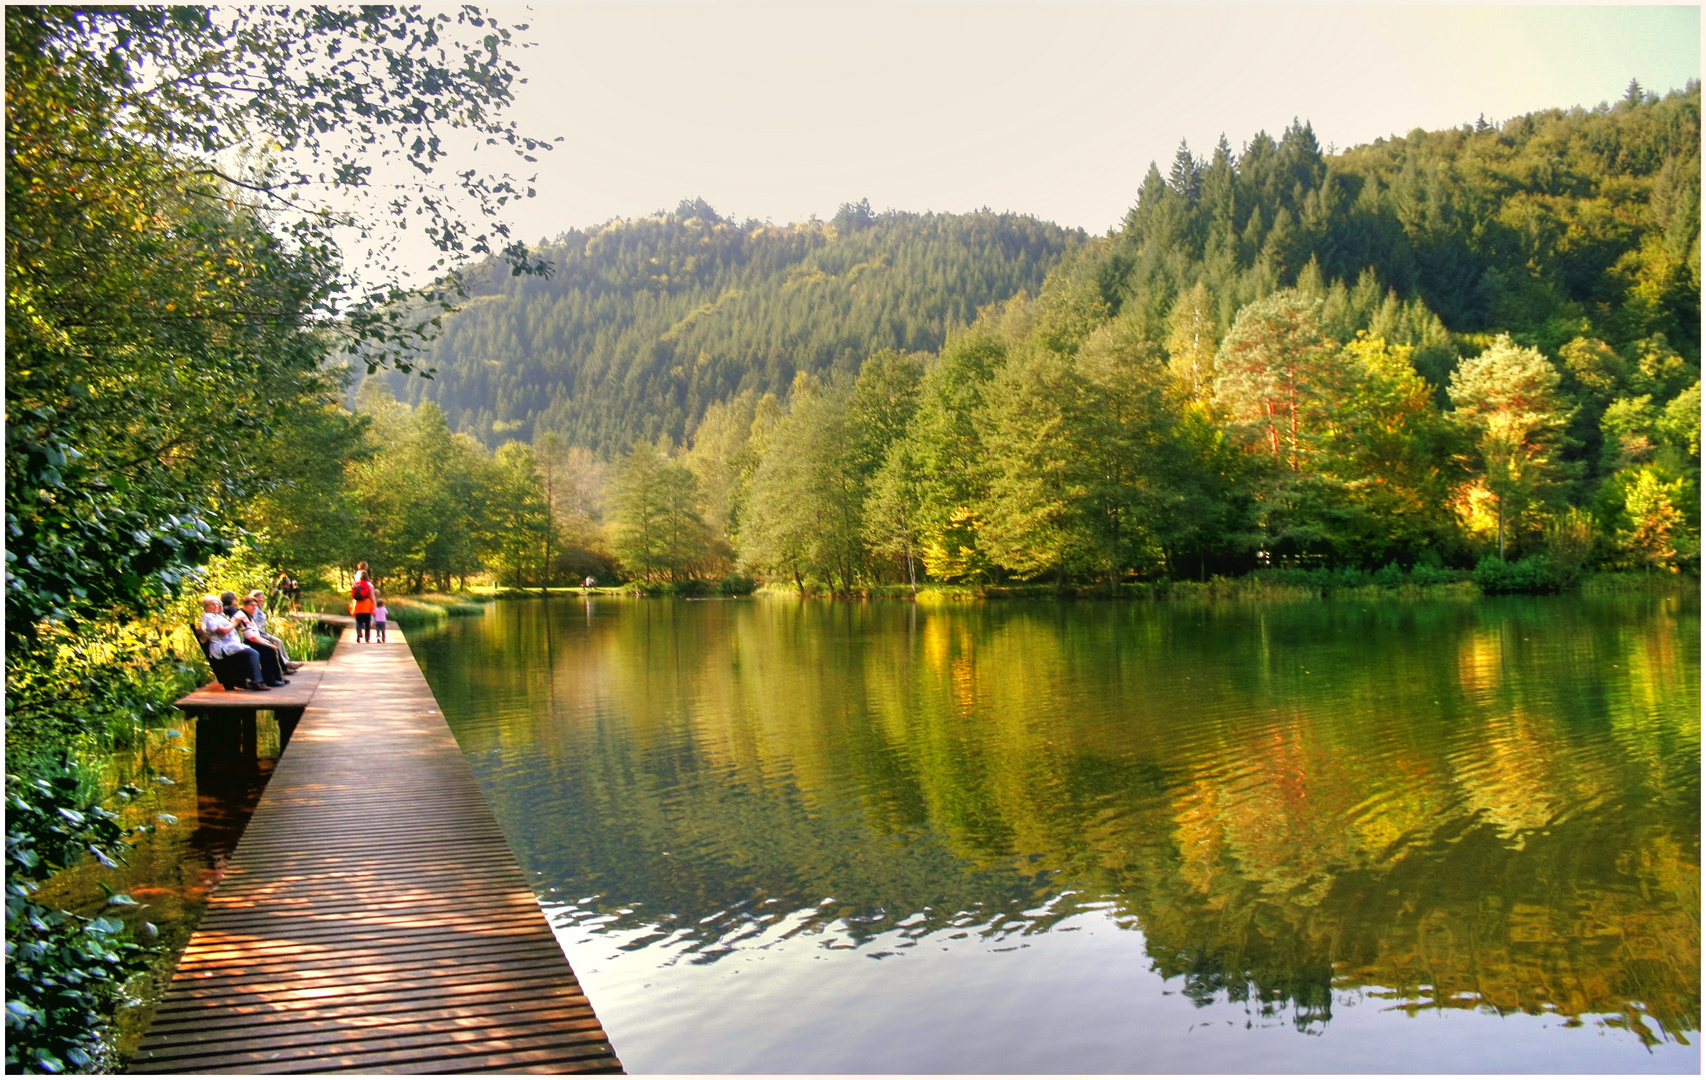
(1508, 399)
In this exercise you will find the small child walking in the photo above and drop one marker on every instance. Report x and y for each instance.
(379, 618)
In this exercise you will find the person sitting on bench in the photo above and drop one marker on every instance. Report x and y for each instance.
(223, 640)
(272, 662)
(259, 614)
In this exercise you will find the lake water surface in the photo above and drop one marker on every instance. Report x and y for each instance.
(810, 836)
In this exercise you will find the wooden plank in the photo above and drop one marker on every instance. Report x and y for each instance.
(497, 983)
(373, 1009)
(373, 918)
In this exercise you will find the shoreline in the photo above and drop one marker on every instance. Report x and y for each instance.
(1280, 586)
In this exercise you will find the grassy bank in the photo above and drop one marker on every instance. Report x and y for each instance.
(1423, 583)
(1280, 584)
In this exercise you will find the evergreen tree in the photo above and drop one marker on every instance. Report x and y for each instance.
(1185, 178)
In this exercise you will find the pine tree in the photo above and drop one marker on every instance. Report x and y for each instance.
(1185, 178)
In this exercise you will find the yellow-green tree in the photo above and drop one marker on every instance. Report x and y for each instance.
(655, 529)
(1508, 399)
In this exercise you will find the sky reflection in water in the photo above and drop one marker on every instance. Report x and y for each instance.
(1033, 837)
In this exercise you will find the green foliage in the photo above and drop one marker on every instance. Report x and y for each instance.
(803, 512)
(948, 449)
(174, 292)
(656, 529)
(1508, 398)
(736, 585)
(1535, 574)
(1261, 367)
(425, 497)
(518, 518)
(1584, 219)
(428, 609)
(63, 972)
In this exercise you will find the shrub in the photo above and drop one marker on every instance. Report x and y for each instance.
(736, 585)
(1535, 574)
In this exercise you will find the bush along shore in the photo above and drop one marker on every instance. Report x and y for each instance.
(1536, 575)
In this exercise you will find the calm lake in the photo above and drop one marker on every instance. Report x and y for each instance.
(1029, 836)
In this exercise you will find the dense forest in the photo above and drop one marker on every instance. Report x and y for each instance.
(1438, 350)
(642, 324)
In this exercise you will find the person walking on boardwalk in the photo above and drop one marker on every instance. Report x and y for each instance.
(361, 606)
(379, 616)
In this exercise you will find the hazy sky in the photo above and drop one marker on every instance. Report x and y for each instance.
(783, 111)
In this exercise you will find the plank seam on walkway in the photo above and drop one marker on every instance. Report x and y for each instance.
(373, 917)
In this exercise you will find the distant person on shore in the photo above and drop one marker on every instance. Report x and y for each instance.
(361, 606)
(223, 640)
(590, 582)
(287, 589)
(379, 616)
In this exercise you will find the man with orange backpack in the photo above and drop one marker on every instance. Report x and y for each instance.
(361, 606)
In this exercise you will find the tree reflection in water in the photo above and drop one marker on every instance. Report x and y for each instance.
(1490, 805)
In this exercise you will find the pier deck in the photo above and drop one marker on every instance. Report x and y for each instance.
(373, 918)
(215, 699)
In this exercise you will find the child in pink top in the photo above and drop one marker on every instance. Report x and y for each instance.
(379, 617)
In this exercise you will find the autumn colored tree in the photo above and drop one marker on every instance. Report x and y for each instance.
(1192, 343)
(1275, 377)
(1507, 398)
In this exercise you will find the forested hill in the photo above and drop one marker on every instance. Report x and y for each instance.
(1549, 226)
(646, 322)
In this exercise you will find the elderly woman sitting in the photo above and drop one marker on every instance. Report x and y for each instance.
(259, 614)
(272, 658)
(223, 640)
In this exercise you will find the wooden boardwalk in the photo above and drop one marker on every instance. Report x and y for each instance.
(373, 918)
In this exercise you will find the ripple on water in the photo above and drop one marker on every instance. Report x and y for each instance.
(869, 837)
